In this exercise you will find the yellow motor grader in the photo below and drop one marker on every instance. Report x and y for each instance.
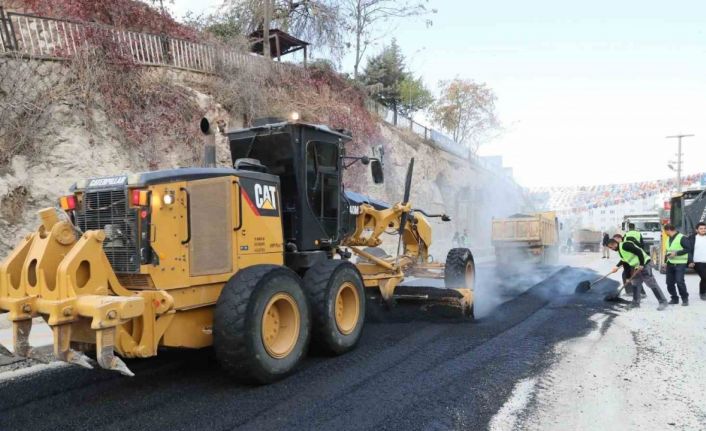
(254, 260)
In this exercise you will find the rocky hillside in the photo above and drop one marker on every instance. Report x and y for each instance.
(76, 126)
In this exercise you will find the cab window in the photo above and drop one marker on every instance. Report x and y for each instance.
(322, 178)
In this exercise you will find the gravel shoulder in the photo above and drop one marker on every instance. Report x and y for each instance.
(637, 369)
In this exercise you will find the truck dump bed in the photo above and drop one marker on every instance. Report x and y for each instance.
(587, 236)
(524, 229)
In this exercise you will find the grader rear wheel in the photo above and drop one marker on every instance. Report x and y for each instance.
(261, 324)
(337, 299)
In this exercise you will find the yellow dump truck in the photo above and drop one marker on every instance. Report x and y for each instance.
(528, 237)
(587, 239)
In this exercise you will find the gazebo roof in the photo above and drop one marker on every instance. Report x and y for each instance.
(287, 42)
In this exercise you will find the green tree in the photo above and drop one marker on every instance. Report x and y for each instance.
(414, 96)
(395, 87)
(466, 109)
(387, 69)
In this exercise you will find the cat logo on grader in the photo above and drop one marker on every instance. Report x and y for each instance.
(183, 258)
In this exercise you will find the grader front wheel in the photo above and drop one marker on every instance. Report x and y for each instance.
(261, 324)
(460, 269)
(337, 298)
(460, 273)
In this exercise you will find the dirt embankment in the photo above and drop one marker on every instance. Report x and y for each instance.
(83, 129)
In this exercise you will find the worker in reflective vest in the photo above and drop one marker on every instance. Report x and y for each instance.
(636, 237)
(632, 255)
(677, 258)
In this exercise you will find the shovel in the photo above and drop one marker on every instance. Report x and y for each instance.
(615, 297)
(586, 285)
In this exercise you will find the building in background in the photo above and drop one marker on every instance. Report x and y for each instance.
(603, 207)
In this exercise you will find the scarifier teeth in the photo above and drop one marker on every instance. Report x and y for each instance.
(20, 337)
(79, 358)
(113, 363)
(118, 365)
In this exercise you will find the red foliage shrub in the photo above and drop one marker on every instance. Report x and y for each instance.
(126, 14)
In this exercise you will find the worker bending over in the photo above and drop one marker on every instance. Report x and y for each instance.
(635, 236)
(639, 262)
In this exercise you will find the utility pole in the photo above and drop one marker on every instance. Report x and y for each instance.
(679, 161)
(267, 12)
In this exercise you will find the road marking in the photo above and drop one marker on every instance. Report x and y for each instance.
(505, 419)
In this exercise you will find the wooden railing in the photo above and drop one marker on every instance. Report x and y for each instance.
(45, 37)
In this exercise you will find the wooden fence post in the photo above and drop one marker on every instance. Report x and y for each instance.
(7, 31)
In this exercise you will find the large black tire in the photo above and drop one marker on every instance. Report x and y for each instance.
(460, 269)
(322, 284)
(238, 323)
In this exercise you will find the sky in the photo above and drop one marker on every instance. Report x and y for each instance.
(587, 91)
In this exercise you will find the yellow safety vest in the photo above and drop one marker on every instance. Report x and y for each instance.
(674, 246)
(631, 258)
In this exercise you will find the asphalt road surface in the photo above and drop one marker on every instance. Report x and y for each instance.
(410, 375)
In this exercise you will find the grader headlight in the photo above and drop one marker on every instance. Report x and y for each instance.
(168, 198)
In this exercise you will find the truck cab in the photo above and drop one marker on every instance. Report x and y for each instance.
(648, 225)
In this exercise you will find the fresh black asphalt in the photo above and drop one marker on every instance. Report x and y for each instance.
(415, 375)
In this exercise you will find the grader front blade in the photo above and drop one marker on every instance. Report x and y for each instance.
(70, 284)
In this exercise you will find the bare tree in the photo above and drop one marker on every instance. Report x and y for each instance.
(314, 21)
(466, 109)
(362, 16)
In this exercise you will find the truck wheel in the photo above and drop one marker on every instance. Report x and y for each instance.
(337, 299)
(460, 269)
(261, 324)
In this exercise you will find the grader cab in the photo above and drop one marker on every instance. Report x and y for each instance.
(253, 260)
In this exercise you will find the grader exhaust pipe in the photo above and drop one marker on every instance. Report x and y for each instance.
(209, 128)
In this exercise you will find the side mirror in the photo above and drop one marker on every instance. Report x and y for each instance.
(376, 170)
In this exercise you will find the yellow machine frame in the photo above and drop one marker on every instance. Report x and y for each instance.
(67, 279)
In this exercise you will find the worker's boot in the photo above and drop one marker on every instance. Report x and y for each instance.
(703, 296)
(674, 300)
(661, 298)
(685, 302)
